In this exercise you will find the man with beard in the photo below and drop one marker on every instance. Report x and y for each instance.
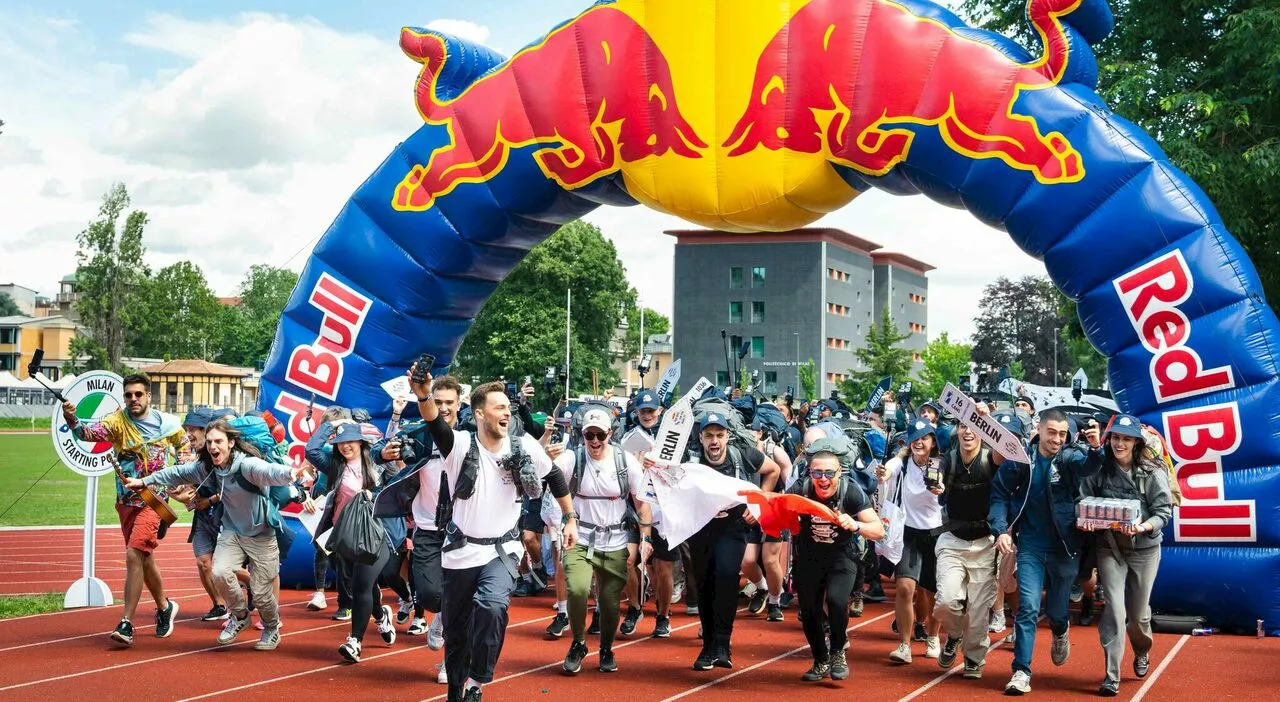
(142, 439)
(485, 474)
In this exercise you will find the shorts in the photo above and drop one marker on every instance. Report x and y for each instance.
(141, 527)
(755, 535)
(786, 536)
(204, 533)
(531, 516)
(662, 551)
(919, 563)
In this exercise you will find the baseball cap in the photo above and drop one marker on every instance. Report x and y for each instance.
(714, 419)
(1126, 425)
(597, 418)
(919, 429)
(647, 400)
(198, 417)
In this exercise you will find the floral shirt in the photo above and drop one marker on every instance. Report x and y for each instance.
(141, 447)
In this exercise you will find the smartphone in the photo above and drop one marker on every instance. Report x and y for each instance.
(423, 366)
(512, 391)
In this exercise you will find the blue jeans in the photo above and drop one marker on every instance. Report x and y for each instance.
(1053, 573)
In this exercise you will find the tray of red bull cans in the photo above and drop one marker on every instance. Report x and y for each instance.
(1108, 513)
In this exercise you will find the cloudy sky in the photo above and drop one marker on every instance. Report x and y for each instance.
(241, 127)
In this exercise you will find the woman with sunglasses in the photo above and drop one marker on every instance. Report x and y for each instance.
(601, 503)
(825, 569)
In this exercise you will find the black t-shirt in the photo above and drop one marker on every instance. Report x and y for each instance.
(819, 539)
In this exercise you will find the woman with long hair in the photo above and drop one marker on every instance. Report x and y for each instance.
(247, 533)
(341, 452)
(1129, 556)
(916, 573)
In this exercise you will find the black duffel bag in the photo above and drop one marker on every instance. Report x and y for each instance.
(358, 537)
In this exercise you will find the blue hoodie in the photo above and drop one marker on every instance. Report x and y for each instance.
(1049, 522)
(243, 512)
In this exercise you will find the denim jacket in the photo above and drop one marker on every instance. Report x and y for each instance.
(1010, 491)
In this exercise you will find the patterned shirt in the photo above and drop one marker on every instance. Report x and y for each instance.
(142, 448)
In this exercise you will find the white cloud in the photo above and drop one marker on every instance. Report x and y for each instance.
(18, 151)
(171, 191)
(54, 188)
(462, 29)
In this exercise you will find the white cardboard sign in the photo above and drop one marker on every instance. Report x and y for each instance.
(993, 433)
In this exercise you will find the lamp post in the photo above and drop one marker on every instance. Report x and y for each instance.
(797, 336)
(1055, 357)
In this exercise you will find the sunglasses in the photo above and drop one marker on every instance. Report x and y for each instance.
(594, 435)
(828, 474)
(132, 395)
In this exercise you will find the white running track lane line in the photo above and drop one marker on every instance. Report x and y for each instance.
(1142, 691)
(244, 642)
(775, 659)
(344, 664)
(954, 669)
(553, 664)
(136, 629)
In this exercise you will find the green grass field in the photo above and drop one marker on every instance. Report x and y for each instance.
(39, 423)
(25, 605)
(58, 499)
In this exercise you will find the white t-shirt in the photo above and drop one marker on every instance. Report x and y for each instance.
(922, 507)
(647, 495)
(600, 479)
(428, 497)
(494, 507)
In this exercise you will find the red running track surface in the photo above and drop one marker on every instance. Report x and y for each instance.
(67, 655)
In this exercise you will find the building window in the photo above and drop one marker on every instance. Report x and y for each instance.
(859, 296)
(757, 312)
(833, 308)
(836, 377)
(917, 328)
(837, 275)
(735, 278)
(721, 379)
(735, 312)
(838, 344)
(9, 335)
(771, 382)
(757, 277)
(757, 347)
(735, 343)
(918, 299)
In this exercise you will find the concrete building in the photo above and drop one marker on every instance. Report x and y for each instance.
(24, 297)
(179, 385)
(786, 298)
(20, 336)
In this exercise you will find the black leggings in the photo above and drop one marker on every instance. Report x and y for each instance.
(824, 579)
(366, 594)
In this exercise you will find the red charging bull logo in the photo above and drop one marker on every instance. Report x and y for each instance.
(861, 98)
(614, 118)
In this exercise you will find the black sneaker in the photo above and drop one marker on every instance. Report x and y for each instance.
(724, 658)
(573, 660)
(607, 663)
(216, 614)
(947, 658)
(820, 671)
(706, 659)
(341, 615)
(525, 588)
(775, 613)
(662, 630)
(165, 618)
(839, 666)
(919, 633)
(787, 599)
(634, 615)
(123, 632)
(1109, 688)
(1086, 611)
(856, 605)
(594, 628)
(1141, 664)
(558, 625)
(758, 600)
(875, 593)
(473, 695)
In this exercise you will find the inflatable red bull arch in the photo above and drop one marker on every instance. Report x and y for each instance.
(747, 115)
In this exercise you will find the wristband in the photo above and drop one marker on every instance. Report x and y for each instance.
(567, 516)
(647, 539)
(424, 399)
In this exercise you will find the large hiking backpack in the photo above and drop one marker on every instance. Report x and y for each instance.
(575, 424)
(257, 432)
(739, 434)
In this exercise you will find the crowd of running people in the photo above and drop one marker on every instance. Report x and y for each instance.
(480, 498)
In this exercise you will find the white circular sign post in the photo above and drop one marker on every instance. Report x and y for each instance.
(95, 395)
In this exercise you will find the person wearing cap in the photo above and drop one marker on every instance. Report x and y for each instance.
(718, 547)
(246, 534)
(909, 480)
(660, 566)
(602, 497)
(203, 503)
(1128, 557)
(1036, 505)
(827, 557)
(342, 453)
(965, 551)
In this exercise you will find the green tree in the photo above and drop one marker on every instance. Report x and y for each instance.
(8, 307)
(1076, 350)
(87, 348)
(181, 316)
(250, 327)
(654, 323)
(521, 329)
(808, 374)
(881, 356)
(110, 273)
(944, 362)
(1017, 323)
(1202, 78)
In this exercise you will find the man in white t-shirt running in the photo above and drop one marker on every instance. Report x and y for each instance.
(485, 474)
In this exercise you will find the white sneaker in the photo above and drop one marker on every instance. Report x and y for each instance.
(418, 627)
(1019, 684)
(387, 627)
(404, 612)
(442, 678)
(932, 647)
(677, 591)
(317, 602)
(901, 654)
(435, 635)
(997, 621)
(1061, 649)
(232, 629)
(350, 649)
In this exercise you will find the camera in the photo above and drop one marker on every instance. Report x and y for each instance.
(791, 393)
